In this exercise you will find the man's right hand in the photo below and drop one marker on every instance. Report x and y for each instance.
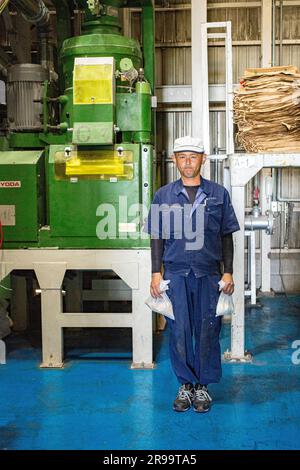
(155, 282)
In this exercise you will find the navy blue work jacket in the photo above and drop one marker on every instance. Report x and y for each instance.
(211, 217)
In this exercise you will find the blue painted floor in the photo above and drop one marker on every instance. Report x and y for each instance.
(97, 402)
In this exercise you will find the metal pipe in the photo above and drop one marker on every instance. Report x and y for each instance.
(262, 222)
(281, 34)
(273, 33)
(249, 262)
(217, 167)
(148, 19)
(34, 12)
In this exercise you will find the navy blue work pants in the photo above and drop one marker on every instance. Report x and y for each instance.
(194, 335)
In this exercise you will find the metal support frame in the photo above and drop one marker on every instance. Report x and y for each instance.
(133, 266)
(265, 239)
(243, 168)
(250, 234)
(202, 87)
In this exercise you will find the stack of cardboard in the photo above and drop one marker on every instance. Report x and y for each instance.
(267, 110)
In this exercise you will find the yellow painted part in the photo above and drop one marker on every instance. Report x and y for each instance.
(95, 164)
(93, 84)
(104, 166)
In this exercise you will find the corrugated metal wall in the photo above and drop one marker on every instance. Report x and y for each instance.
(173, 67)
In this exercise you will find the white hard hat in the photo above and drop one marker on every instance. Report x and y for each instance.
(188, 144)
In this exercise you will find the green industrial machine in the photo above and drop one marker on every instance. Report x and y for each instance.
(80, 153)
(21, 195)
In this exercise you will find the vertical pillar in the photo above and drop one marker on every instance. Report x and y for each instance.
(253, 266)
(200, 103)
(148, 30)
(238, 318)
(50, 277)
(266, 33)
(142, 331)
(148, 37)
(266, 53)
(126, 22)
(52, 337)
(229, 91)
(265, 239)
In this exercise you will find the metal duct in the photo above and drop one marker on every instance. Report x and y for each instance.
(34, 11)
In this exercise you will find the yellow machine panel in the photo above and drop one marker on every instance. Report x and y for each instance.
(93, 84)
(95, 164)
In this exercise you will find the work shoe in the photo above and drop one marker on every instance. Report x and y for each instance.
(202, 399)
(184, 398)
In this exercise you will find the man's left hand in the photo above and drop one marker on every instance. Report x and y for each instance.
(229, 284)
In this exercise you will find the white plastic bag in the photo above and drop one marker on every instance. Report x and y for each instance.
(161, 304)
(225, 303)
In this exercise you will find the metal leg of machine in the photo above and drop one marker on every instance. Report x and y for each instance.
(50, 277)
(2, 352)
(142, 321)
(50, 267)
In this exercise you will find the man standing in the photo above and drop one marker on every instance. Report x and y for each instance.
(192, 207)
